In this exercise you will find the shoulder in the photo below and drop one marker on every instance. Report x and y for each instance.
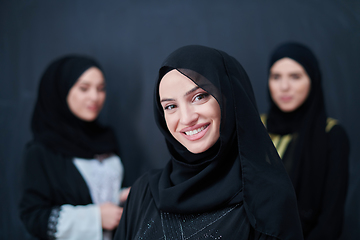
(37, 152)
(141, 185)
(334, 129)
(140, 191)
(35, 149)
(338, 138)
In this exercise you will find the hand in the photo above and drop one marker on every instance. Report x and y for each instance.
(124, 194)
(110, 215)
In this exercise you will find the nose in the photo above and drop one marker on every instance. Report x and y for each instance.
(94, 94)
(188, 115)
(284, 84)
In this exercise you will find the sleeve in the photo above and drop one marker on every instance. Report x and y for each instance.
(331, 217)
(38, 212)
(79, 222)
(35, 204)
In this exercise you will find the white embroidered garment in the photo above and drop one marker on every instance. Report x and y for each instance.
(103, 178)
(79, 222)
(104, 181)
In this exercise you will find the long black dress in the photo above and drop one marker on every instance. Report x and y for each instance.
(315, 151)
(51, 179)
(237, 189)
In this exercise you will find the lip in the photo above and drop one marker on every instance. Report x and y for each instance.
(93, 108)
(196, 136)
(285, 98)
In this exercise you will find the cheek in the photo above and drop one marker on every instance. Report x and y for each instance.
(216, 115)
(102, 98)
(73, 101)
(272, 89)
(170, 123)
(304, 90)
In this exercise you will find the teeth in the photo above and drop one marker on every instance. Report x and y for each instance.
(189, 133)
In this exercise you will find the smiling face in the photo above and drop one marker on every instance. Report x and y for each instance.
(192, 115)
(87, 96)
(289, 84)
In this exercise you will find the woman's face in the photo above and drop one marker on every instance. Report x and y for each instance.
(192, 115)
(86, 98)
(289, 84)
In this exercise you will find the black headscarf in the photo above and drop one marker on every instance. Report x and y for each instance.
(308, 122)
(54, 125)
(242, 166)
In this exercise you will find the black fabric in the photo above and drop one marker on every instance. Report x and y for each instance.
(242, 167)
(143, 220)
(54, 125)
(310, 157)
(49, 181)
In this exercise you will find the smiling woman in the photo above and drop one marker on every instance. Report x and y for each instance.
(224, 179)
(191, 114)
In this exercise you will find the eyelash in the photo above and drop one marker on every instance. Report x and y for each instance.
(202, 95)
(198, 97)
(169, 107)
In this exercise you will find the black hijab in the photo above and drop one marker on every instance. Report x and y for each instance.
(308, 122)
(242, 166)
(54, 125)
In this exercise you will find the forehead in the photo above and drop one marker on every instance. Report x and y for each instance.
(92, 75)
(286, 65)
(174, 83)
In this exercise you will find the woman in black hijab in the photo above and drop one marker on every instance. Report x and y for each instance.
(313, 147)
(224, 179)
(72, 174)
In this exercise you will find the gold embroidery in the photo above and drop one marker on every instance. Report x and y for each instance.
(330, 122)
(281, 142)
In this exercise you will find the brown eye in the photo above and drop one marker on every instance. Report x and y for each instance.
(275, 76)
(201, 96)
(169, 107)
(295, 76)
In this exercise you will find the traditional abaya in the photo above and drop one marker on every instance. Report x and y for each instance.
(315, 151)
(237, 189)
(63, 178)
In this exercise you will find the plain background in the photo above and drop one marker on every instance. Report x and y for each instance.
(131, 38)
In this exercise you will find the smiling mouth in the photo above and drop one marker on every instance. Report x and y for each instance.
(190, 133)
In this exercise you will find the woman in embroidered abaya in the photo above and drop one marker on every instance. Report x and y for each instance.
(72, 174)
(224, 179)
(313, 147)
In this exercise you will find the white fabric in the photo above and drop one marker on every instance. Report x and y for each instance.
(79, 222)
(104, 180)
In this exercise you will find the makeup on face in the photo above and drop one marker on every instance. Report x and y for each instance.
(192, 115)
(87, 96)
(289, 84)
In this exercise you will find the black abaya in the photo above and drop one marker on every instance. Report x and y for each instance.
(240, 174)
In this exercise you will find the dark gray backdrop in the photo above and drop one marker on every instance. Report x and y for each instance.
(131, 38)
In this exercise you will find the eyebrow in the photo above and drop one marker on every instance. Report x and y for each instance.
(187, 93)
(191, 90)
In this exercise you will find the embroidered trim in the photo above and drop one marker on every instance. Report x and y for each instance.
(52, 222)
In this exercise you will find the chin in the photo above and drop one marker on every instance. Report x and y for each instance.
(196, 150)
(287, 109)
(88, 118)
